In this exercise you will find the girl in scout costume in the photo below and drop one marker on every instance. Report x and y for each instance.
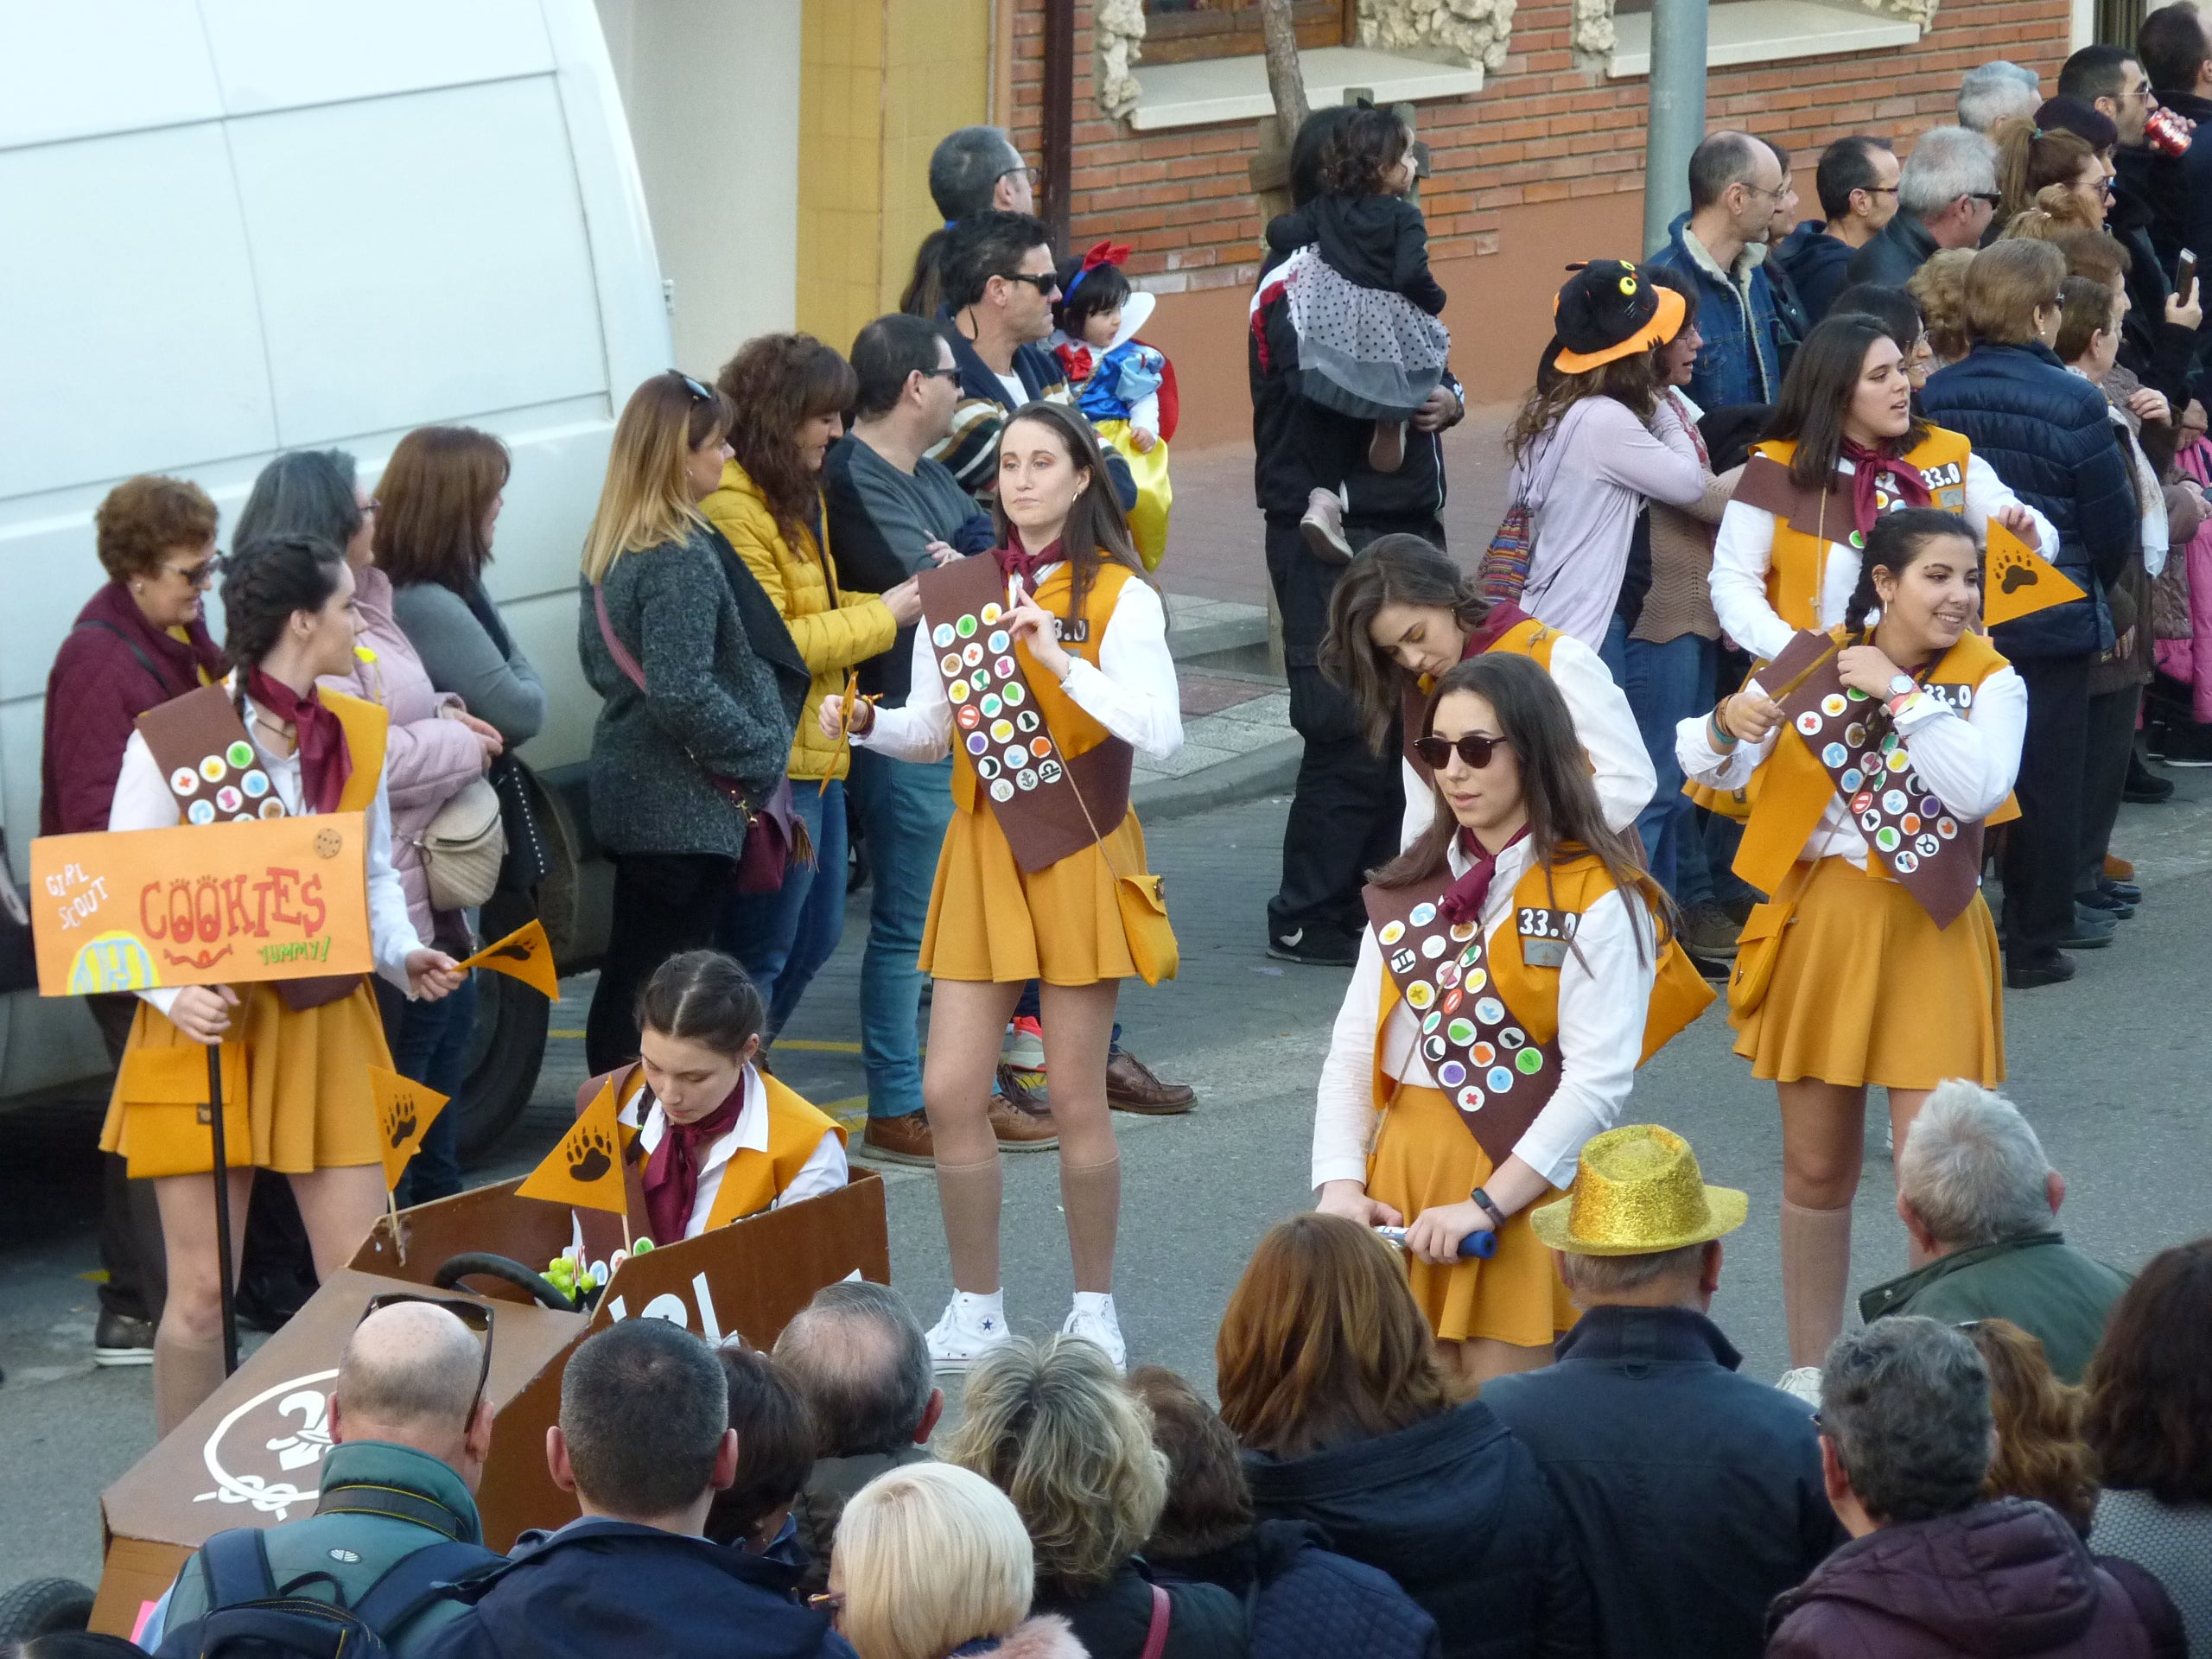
(1404, 613)
(1517, 970)
(720, 1138)
(1880, 752)
(264, 743)
(1042, 668)
(1845, 448)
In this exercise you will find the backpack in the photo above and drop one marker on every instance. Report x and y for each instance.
(248, 1616)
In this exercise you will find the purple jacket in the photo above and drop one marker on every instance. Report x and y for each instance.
(112, 667)
(2008, 1578)
(428, 758)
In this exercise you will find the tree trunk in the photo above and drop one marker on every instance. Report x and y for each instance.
(1285, 81)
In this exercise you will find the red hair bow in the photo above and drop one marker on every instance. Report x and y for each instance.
(1104, 253)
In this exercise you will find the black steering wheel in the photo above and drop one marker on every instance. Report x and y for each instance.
(469, 1263)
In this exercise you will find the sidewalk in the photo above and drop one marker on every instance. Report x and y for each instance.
(1237, 742)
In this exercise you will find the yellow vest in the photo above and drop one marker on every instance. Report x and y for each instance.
(1801, 552)
(368, 728)
(754, 1180)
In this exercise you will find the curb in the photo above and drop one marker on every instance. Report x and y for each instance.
(1269, 770)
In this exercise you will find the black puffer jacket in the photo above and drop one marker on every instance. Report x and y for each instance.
(1457, 1511)
(1203, 1621)
(2048, 436)
(1302, 1600)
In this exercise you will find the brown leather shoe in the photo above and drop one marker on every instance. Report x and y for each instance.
(1131, 1087)
(1020, 1126)
(904, 1140)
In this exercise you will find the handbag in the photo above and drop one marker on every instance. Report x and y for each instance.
(463, 846)
(774, 836)
(1143, 899)
(1503, 573)
(1759, 946)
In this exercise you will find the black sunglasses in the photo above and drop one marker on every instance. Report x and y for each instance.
(1475, 749)
(1989, 196)
(475, 1315)
(1044, 283)
(940, 374)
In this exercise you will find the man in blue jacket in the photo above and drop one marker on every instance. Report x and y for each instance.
(1694, 1492)
(2050, 436)
(1857, 182)
(644, 1443)
(1736, 184)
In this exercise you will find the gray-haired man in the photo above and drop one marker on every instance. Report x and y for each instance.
(1977, 1194)
(1947, 192)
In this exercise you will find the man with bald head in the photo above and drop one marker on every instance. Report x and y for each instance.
(1736, 185)
(411, 1429)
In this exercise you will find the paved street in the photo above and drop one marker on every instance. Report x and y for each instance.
(2110, 1068)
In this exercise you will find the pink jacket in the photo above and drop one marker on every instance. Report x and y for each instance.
(428, 758)
(2190, 660)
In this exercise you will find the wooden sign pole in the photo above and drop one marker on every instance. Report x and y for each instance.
(222, 1208)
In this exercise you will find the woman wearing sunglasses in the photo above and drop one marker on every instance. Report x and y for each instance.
(1879, 752)
(1517, 970)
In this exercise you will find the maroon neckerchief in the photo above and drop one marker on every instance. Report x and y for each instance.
(1463, 902)
(1015, 561)
(673, 1173)
(1502, 615)
(325, 764)
(1865, 465)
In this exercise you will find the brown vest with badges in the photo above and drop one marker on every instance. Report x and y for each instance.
(215, 773)
(1838, 744)
(1048, 770)
(1526, 638)
(1488, 1018)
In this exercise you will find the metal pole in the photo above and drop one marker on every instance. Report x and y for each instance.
(222, 1210)
(1675, 123)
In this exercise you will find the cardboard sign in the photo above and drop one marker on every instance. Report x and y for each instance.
(133, 910)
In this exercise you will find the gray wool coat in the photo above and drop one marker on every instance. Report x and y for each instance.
(724, 686)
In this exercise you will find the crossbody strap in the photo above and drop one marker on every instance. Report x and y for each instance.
(129, 645)
(1155, 1635)
(615, 648)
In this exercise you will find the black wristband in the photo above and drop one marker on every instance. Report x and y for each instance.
(1488, 1205)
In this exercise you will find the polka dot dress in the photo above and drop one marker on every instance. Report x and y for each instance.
(1365, 351)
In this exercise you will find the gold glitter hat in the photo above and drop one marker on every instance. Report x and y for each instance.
(1637, 1192)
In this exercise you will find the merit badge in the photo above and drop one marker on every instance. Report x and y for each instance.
(1014, 692)
(200, 811)
(991, 612)
(1810, 723)
(965, 627)
(958, 691)
(1906, 863)
(996, 643)
(1530, 1061)
(1887, 839)
(1048, 772)
(1391, 933)
(1470, 1099)
(1403, 962)
(228, 799)
(1927, 845)
(1946, 827)
(972, 655)
(1462, 932)
(1026, 719)
(1001, 791)
(1001, 731)
(1447, 976)
(1893, 801)
(272, 808)
(941, 635)
(1461, 1031)
(1870, 820)
(1040, 746)
(1433, 1049)
(1511, 1038)
(977, 743)
(1852, 778)
(1490, 1011)
(1026, 777)
(978, 679)
(184, 781)
(239, 754)
(1433, 946)
(1016, 758)
(967, 718)
(1421, 994)
(1429, 1024)
(1450, 1074)
(1855, 733)
(1423, 915)
(987, 768)
(1835, 755)
(991, 705)
(1005, 666)
(212, 768)
(1833, 704)
(950, 664)
(1500, 1080)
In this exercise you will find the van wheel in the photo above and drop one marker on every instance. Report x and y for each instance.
(506, 1048)
(43, 1607)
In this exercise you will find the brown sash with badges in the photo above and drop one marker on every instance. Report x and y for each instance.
(1482, 1060)
(1935, 855)
(999, 726)
(215, 772)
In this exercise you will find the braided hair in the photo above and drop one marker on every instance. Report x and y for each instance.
(266, 580)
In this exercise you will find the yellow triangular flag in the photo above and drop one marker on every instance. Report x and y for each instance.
(586, 1168)
(404, 1109)
(526, 954)
(2017, 581)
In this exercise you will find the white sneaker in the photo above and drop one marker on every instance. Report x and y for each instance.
(1023, 1047)
(1803, 1381)
(1092, 1319)
(971, 1327)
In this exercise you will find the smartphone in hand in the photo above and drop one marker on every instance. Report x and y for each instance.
(2185, 275)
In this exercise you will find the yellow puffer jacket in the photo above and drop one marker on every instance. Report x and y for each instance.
(835, 632)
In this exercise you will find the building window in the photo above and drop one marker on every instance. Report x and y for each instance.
(1177, 31)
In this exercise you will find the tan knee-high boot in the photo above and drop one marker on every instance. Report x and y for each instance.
(969, 1195)
(1091, 1195)
(185, 1373)
(1815, 1277)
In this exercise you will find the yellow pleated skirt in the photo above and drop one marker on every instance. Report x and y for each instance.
(991, 919)
(1425, 1158)
(296, 1095)
(1868, 989)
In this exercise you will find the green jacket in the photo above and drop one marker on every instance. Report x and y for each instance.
(2039, 1281)
(356, 1548)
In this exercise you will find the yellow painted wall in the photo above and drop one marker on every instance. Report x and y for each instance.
(881, 82)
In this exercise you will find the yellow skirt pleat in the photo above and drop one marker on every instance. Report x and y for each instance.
(990, 919)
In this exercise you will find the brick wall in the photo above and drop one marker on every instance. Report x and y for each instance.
(1541, 132)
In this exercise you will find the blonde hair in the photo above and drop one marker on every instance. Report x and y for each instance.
(646, 501)
(1939, 286)
(1050, 1425)
(931, 1556)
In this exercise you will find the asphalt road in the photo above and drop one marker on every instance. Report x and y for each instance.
(2110, 1068)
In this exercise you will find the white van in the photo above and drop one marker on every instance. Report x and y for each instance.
(234, 227)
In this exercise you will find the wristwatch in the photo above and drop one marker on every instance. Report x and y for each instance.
(1903, 685)
(1488, 1205)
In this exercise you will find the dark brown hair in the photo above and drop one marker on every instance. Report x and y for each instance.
(432, 503)
(775, 1443)
(2040, 1452)
(2007, 284)
(1394, 569)
(2084, 312)
(775, 382)
(703, 997)
(1097, 529)
(1817, 395)
(146, 516)
(1634, 380)
(1209, 1502)
(2030, 158)
(1361, 149)
(1323, 1345)
(1565, 820)
(2150, 1412)
(1895, 544)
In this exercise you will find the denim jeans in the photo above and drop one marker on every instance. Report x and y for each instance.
(783, 937)
(904, 807)
(1666, 684)
(431, 1046)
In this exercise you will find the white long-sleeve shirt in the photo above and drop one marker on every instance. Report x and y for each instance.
(1968, 762)
(1604, 988)
(1604, 722)
(1131, 691)
(144, 801)
(824, 1170)
(1743, 553)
